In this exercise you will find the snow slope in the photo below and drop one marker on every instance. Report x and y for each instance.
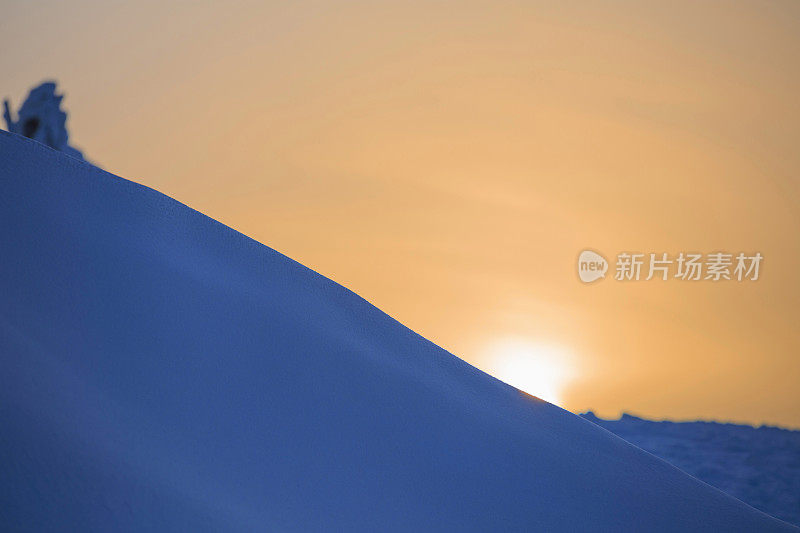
(162, 372)
(758, 465)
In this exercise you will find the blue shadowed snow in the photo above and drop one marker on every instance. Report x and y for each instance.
(760, 466)
(162, 372)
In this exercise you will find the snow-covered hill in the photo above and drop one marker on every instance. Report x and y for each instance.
(758, 465)
(162, 372)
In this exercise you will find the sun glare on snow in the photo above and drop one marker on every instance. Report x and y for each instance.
(541, 370)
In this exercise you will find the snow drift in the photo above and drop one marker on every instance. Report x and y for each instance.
(758, 465)
(162, 372)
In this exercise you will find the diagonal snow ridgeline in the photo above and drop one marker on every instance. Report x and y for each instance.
(162, 372)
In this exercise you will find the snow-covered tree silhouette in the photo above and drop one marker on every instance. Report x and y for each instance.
(41, 118)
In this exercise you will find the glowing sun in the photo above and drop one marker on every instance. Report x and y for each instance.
(541, 370)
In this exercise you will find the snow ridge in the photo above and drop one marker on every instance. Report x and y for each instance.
(162, 372)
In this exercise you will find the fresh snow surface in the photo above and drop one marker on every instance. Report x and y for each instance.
(758, 465)
(162, 372)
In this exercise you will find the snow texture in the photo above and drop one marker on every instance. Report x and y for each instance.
(758, 465)
(162, 372)
(42, 119)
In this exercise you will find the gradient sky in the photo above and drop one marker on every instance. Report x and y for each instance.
(449, 160)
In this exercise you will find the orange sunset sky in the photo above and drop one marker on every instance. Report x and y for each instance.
(448, 161)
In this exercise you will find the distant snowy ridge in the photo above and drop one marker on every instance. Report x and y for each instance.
(758, 465)
(162, 372)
